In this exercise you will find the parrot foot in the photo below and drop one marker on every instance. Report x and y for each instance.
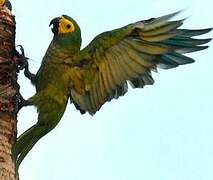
(21, 59)
(20, 102)
(23, 64)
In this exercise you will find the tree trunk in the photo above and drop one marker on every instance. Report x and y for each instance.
(8, 90)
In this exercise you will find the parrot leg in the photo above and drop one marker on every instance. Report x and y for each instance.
(27, 72)
(23, 64)
(21, 102)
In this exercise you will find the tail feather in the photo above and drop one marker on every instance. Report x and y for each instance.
(26, 142)
(22, 141)
(26, 150)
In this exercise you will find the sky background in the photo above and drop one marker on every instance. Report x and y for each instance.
(161, 132)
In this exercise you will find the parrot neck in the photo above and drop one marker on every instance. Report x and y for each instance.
(69, 46)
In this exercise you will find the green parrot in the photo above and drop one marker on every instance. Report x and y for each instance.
(102, 70)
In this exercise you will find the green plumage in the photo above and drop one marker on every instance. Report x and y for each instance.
(100, 72)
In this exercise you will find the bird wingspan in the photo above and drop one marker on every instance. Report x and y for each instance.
(129, 54)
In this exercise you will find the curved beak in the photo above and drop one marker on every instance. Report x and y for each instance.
(55, 23)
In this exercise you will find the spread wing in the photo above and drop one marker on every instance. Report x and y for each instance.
(129, 54)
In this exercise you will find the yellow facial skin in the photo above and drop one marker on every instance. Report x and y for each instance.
(65, 26)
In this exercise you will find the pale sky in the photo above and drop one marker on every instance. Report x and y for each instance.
(161, 132)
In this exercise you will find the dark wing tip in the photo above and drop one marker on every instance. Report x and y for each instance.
(206, 40)
(204, 31)
(196, 32)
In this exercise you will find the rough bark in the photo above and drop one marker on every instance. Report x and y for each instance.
(8, 90)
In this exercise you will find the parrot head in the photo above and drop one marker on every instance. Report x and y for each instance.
(66, 31)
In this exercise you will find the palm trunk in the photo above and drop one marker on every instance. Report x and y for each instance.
(8, 90)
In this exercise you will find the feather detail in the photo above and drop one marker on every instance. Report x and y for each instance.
(129, 54)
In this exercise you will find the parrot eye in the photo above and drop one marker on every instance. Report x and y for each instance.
(65, 26)
(68, 26)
